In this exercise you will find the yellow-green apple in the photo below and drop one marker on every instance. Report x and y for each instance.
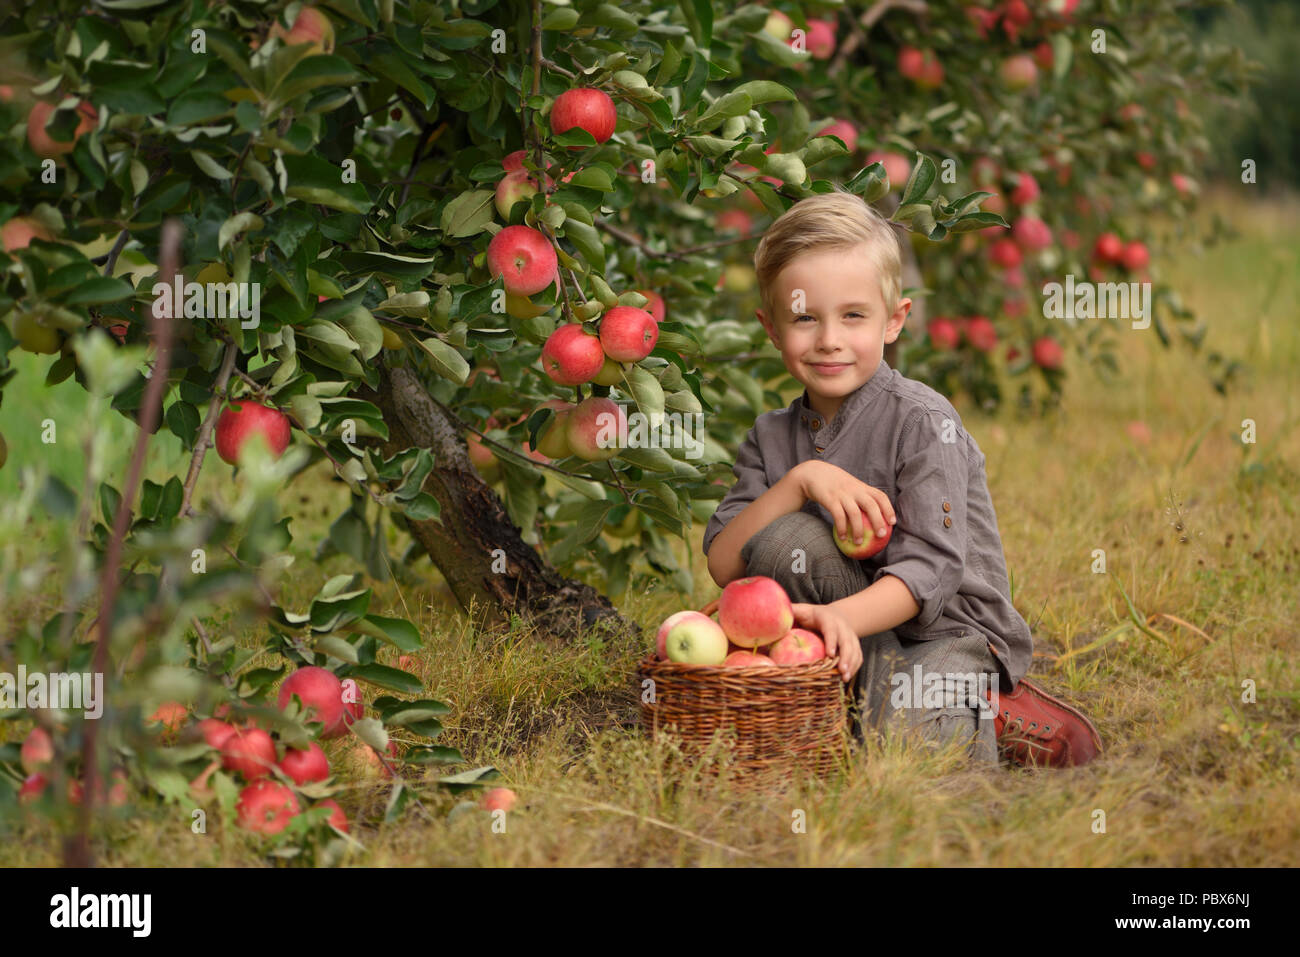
(19, 232)
(498, 799)
(798, 647)
(845, 131)
(45, 146)
(34, 336)
(572, 355)
(312, 26)
(738, 278)
(512, 188)
(628, 334)
(611, 373)
(266, 807)
(524, 257)
(943, 333)
(248, 751)
(897, 168)
(778, 25)
(554, 442)
(655, 302)
(696, 641)
(821, 39)
(597, 429)
(321, 693)
(1135, 256)
(242, 421)
(755, 611)
(585, 108)
(1048, 353)
(1109, 248)
(981, 333)
(871, 542)
(37, 750)
(629, 527)
(1018, 72)
(661, 637)
(748, 659)
(337, 818)
(303, 767)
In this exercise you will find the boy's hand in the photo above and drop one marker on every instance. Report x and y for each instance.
(836, 633)
(847, 499)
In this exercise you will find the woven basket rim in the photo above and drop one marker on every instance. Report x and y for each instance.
(651, 660)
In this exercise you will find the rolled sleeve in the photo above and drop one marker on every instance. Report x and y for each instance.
(751, 482)
(928, 549)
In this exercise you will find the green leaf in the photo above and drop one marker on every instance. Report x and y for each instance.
(316, 71)
(191, 108)
(645, 389)
(764, 91)
(447, 362)
(398, 632)
(210, 166)
(239, 223)
(390, 678)
(99, 290)
(919, 183)
(468, 214)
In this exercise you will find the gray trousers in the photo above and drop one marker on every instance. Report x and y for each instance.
(934, 704)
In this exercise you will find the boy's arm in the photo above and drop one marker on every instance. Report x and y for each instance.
(879, 607)
(786, 496)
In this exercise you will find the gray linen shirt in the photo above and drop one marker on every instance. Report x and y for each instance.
(907, 440)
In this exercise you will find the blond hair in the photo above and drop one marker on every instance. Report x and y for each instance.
(834, 220)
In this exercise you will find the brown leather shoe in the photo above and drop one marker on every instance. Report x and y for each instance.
(1038, 730)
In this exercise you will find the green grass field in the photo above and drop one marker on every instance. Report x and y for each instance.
(1199, 532)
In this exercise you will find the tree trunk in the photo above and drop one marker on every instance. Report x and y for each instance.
(478, 549)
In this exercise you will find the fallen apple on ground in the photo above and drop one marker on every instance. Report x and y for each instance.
(266, 807)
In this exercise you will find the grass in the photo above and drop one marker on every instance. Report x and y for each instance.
(1198, 533)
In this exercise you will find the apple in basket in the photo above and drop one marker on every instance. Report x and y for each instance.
(748, 659)
(696, 640)
(661, 639)
(755, 611)
(798, 647)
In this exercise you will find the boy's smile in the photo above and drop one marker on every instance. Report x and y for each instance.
(831, 323)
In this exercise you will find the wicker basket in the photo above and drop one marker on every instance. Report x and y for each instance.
(785, 718)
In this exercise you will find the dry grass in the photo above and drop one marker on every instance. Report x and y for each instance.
(1191, 775)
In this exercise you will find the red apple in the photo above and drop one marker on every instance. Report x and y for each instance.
(572, 355)
(1109, 248)
(871, 542)
(513, 162)
(312, 27)
(1135, 256)
(524, 257)
(1031, 233)
(171, 715)
(1044, 57)
(981, 334)
(821, 39)
(585, 108)
(597, 429)
(1005, 253)
(354, 709)
(19, 232)
(241, 420)
(748, 659)
(321, 693)
(303, 767)
(1181, 183)
(655, 302)
(33, 786)
(911, 62)
(44, 145)
(336, 819)
(512, 188)
(37, 750)
(943, 333)
(1026, 190)
(628, 334)
(897, 168)
(1048, 353)
(798, 647)
(735, 220)
(845, 131)
(498, 799)
(1145, 160)
(215, 732)
(248, 751)
(266, 807)
(1019, 72)
(1139, 432)
(755, 611)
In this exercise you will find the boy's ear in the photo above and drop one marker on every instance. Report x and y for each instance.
(767, 325)
(894, 323)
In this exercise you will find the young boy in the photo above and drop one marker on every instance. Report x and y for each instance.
(862, 447)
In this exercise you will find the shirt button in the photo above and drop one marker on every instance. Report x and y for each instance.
(947, 507)
(817, 423)
(947, 521)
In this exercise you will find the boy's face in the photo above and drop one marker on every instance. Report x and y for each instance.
(831, 323)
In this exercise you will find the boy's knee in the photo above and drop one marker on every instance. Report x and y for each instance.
(788, 547)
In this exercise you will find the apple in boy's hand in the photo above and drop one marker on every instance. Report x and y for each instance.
(871, 543)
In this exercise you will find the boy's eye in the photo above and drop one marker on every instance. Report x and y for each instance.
(797, 318)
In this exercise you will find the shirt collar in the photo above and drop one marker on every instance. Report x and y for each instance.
(855, 400)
